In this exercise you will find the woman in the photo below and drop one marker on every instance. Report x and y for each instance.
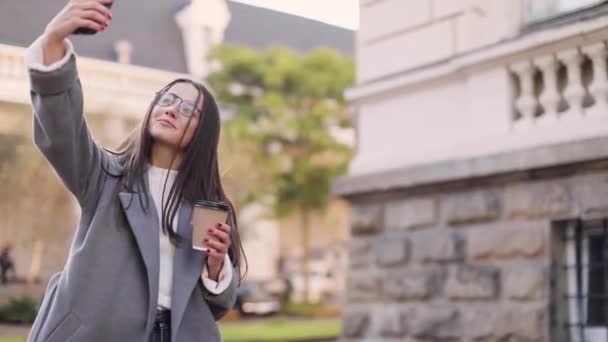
(6, 263)
(132, 274)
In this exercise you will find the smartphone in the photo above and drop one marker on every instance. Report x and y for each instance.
(84, 30)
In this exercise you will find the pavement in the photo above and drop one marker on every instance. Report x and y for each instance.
(14, 330)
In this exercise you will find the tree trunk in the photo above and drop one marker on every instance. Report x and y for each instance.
(304, 225)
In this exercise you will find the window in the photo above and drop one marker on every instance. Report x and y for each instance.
(537, 10)
(581, 267)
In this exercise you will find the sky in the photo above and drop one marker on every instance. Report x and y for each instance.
(343, 13)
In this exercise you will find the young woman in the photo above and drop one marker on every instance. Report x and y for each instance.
(132, 274)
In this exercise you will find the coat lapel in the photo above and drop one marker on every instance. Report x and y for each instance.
(187, 268)
(145, 227)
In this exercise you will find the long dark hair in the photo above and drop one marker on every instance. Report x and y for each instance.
(198, 176)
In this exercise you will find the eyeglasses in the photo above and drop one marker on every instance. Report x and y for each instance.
(186, 108)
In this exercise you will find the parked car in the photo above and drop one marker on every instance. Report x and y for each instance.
(322, 286)
(252, 299)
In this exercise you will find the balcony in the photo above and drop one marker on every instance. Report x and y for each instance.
(536, 89)
(561, 85)
(110, 88)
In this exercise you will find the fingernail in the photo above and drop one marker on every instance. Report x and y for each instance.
(205, 240)
(219, 225)
(208, 250)
(211, 230)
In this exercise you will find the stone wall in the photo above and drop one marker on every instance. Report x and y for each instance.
(462, 261)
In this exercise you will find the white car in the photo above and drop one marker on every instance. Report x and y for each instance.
(253, 300)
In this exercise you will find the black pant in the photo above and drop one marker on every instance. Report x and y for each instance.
(162, 327)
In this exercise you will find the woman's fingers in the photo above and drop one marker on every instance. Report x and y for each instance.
(91, 14)
(102, 2)
(218, 246)
(87, 23)
(220, 235)
(223, 227)
(95, 16)
(94, 6)
(215, 254)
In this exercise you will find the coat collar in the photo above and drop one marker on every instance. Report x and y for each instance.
(144, 224)
(187, 267)
(187, 263)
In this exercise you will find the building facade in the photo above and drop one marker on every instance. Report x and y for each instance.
(479, 189)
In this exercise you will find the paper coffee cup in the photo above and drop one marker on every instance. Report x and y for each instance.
(206, 215)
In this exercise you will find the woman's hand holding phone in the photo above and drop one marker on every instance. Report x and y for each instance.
(76, 16)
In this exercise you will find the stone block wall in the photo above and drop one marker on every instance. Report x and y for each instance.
(468, 262)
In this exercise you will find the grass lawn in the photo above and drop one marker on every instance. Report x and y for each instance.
(279, 330)
(272, 329)
(12, 339)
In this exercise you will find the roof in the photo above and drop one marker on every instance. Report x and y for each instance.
(157, 41)
(259, 28)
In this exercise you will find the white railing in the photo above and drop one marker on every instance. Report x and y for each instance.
(110, 88)
(566, 84)
(11, 62)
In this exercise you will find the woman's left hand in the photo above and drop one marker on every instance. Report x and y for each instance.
(217, 242)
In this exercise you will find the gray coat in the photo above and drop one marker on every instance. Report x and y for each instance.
(108, 289)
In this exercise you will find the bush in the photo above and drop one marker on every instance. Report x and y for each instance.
(301, 309)
(19, 311)
(311, 310)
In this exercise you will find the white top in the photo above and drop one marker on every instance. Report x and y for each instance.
(156, 179)
(34, 60)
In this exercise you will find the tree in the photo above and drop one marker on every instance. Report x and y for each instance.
(37, 212)
(288, 108)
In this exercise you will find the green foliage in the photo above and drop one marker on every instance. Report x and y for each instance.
(311, 310)
(281, 144)
(301, 309)
(19, 311)
(12, 339)
(287, 106)
(280, 330)
(26, 178)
